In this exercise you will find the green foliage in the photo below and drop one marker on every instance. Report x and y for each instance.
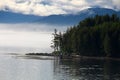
(56, 41)
(107, 45)
(98, 36)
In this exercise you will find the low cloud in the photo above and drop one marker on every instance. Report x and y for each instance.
(116, 4)
(26, 38)
(32, 27)
(50, 7)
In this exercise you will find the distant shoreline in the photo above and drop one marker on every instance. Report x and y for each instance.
(99, 58)
(74, 57)
(40, 54)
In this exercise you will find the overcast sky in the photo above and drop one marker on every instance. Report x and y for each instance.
(50, 7)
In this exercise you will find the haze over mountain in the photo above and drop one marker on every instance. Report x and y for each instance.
(10, 17)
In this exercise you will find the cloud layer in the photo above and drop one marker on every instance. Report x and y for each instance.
(27, 38)
(50, 7)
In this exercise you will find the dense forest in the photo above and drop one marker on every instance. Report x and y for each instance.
(95, 36)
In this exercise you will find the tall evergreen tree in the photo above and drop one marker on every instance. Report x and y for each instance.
(107, 45)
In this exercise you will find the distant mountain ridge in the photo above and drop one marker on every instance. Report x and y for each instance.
(70, 19)
(10, 17)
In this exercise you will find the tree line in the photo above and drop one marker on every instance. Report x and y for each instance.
(94, 36)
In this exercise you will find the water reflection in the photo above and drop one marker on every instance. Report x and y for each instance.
(88, 70)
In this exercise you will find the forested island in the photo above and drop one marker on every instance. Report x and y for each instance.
(97, 36)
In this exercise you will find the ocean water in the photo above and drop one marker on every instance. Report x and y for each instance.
(13, 67)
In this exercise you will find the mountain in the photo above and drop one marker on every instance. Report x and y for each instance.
(9, 17)
(74, 19)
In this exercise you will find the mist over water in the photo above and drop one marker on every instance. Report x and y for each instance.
(27, 38)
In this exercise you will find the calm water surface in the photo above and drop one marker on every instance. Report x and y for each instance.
(17, 68)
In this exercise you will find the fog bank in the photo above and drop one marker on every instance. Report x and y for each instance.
(26, 38)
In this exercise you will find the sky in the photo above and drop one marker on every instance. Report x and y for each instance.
(55, 7)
